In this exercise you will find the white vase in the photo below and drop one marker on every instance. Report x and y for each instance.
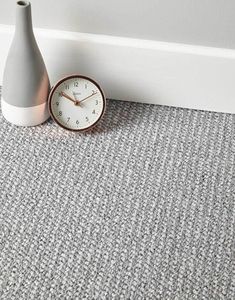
(25, 80)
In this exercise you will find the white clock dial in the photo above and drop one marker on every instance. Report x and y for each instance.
(76, 103)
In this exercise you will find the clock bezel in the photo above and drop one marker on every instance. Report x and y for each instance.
(53, 89)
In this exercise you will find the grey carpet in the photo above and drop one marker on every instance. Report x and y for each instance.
(140, 208)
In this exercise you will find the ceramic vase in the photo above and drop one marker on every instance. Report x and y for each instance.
(25, 80)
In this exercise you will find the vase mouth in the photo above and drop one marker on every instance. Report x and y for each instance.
(23, 3)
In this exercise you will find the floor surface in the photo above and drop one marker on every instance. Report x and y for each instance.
(140, 208)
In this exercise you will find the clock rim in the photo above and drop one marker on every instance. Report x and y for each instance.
(53, 89)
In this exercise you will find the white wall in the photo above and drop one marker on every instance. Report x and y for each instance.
(139, 69)
(202, 22)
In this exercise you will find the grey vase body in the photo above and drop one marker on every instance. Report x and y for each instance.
(25, 80)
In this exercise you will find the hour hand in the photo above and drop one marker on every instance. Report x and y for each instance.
(69, 98)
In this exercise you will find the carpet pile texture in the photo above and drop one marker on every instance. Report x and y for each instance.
(142, 207)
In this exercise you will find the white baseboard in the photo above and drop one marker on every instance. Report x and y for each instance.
(139, 70)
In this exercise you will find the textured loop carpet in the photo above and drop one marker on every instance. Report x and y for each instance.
(141, 208)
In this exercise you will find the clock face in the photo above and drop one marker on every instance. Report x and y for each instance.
(76, 103)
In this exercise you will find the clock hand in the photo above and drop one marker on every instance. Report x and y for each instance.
(70, 98)
(88, 97)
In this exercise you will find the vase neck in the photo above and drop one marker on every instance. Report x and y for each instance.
(23, 17)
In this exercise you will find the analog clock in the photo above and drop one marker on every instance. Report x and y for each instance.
(77, 103)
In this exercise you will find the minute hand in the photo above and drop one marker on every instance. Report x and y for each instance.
(87, 97)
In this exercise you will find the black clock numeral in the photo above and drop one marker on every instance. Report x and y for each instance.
(76, 83)
(96, 102)
(68, 119)
(87, 119)
(93, 111)
(60, 113)
(57, 103)
(67, 87)
(85, 86)
(77, 122)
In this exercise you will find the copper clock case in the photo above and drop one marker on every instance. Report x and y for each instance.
(53, 89)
